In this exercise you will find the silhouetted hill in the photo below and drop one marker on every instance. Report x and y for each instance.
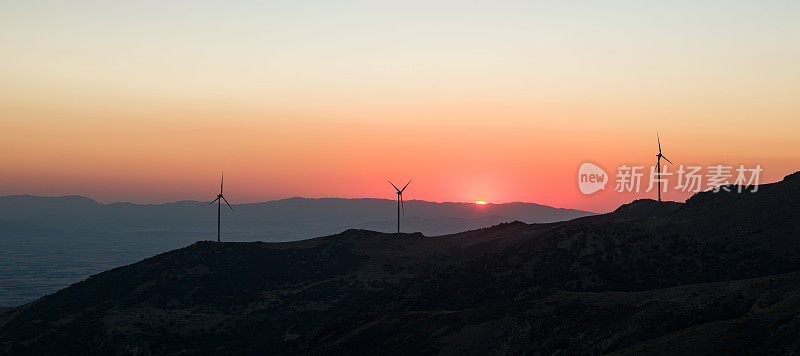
(49, 243)
(718, 274)
(210, 287)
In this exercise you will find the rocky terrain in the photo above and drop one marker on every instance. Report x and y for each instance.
(717, 274)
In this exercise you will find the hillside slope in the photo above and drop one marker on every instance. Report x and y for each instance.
(718, 273)
(48, 243)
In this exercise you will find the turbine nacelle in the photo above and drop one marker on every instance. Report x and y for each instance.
(660, 156)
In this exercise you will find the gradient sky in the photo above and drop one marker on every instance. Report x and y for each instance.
(146, 101)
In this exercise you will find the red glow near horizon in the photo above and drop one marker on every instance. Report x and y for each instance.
(333, 103)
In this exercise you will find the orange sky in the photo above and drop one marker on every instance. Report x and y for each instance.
(135, 103)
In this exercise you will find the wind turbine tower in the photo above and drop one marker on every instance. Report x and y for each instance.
(400, 205)
(658, 165)
(219, 200)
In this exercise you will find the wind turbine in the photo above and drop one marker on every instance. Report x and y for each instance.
(219, 200)
(658, 165)
(400, 202)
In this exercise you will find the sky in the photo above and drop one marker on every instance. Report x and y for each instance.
(148, 101)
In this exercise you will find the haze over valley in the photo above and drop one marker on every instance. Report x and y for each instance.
(48, 243)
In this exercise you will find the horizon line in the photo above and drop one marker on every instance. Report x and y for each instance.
(280, 199)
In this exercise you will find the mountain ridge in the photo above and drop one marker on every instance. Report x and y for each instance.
(648, 276)
(285, 219)
(75, 197)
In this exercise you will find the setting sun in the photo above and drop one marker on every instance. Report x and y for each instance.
(480, 202)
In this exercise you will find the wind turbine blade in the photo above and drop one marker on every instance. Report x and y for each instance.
(659, 143)
(402, 205)
(226, 202)
(404, 187)
(213, 201)
(667, 159)
(395, 187)
(221, 181)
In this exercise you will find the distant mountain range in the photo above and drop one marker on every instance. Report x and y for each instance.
(278, 220)
(719, 274)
